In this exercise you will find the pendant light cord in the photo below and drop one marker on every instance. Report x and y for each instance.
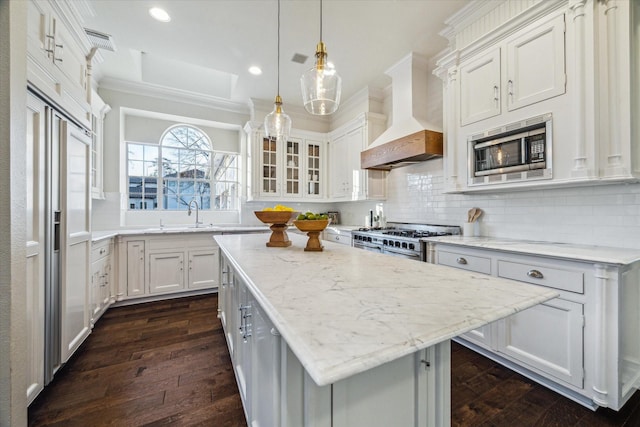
(278, 48)
(320, 20)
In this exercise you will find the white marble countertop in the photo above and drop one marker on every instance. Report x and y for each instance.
(567, 251)
(345, 310)
(221, 229)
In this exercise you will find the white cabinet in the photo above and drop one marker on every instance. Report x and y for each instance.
(480, 87)
(517, 61)
(583, 344)
(337, 236)
(276, 390)
(347, 180)
(56, 53)
(287, 171)
(98, 112)
(203, 268)
(166, 271)
(101, 277)
(133, 270)
(164, 264)
(75, 230)
(534, 70)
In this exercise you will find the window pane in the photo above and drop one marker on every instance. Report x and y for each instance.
(135, 152)
(136, 168)
(151, 153)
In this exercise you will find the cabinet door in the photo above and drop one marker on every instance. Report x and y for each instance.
(480, 88)
(69, 59)
(244, 343)
(135, 267)
(76, 232)
(548, 338)
(536, 64)
(293, 156)
(166, 272)
(270, 151)
(314, 158)
(356, 177)
(35, 245)
(265, 360)
(339, 175)
(96, 285)
(203, 268)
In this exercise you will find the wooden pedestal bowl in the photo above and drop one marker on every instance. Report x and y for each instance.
(313, 228)
(279, 221)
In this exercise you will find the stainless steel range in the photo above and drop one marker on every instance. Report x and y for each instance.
(399, 238)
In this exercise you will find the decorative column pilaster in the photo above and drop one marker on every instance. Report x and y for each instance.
(615, 164)
(600, 379)
(580, 168)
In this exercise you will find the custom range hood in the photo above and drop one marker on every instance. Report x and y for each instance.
(411, 137)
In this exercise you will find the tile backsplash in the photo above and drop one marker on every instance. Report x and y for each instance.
(606, 215)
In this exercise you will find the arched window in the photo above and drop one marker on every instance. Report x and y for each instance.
(189, 170)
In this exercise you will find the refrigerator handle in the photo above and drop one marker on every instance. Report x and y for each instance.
(56, 230)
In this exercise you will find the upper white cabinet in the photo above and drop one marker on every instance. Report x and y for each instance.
(99, 110)
(480, 87)
(347, 180)
(56, 54)
(515, 61)
(528, 67)
(289, 171)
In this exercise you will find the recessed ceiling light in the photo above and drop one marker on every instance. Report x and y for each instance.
(255, 70)
(159, 14)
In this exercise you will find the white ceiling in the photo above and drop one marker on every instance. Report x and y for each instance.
(209, 44)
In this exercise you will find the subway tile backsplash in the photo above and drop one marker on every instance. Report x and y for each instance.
(607, 215)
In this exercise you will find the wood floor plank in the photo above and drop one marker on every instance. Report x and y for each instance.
(166, 363)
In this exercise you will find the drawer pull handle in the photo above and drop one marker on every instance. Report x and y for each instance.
(535, 274)
(461, 260)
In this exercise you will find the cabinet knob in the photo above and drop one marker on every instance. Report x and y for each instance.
(461, 260)
(535, 274)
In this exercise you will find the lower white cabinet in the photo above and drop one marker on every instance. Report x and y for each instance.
(163, 264)
(585, 344)
(337, 236)
(101, 277)
(166, 271)
(276, 390)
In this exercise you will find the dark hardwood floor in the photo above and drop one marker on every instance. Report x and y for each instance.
(166, 363)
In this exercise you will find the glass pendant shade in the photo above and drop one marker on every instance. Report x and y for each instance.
(321, 85)
(277, 124)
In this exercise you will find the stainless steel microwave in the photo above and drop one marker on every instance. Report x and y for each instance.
(520, 151)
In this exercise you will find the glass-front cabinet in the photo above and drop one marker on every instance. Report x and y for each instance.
(286, 170)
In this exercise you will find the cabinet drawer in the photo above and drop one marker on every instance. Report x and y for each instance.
(567, 280)
(344, 239)
(100, 251)
(465, 261)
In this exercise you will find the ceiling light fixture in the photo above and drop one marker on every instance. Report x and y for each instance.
(277, 124)
(159, 14)
(321, 85)
(255, 70)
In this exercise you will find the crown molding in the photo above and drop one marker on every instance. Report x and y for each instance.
(172, 94)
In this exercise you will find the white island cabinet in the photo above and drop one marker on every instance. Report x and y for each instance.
(316, 342)
(584, 344)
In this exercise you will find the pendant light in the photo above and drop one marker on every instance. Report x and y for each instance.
(321, 85)
(277, 124)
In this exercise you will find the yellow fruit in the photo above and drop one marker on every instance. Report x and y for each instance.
(268, 209)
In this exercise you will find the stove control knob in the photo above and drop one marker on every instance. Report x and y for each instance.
(404, 245)
(397, 245)
(412, 246)
(385, 242)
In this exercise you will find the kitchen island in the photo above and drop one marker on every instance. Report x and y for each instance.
(347, 337)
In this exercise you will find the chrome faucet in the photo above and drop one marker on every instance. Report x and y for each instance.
(194, 201)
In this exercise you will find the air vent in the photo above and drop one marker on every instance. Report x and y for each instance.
(299, 58)
(495, 178)
(100, 40)
(478, 180)
(514, 176)
(536, 173)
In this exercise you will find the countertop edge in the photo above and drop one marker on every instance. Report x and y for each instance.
(566, 251)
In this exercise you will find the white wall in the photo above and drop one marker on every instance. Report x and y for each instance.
(13, 295)
(607, 215)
